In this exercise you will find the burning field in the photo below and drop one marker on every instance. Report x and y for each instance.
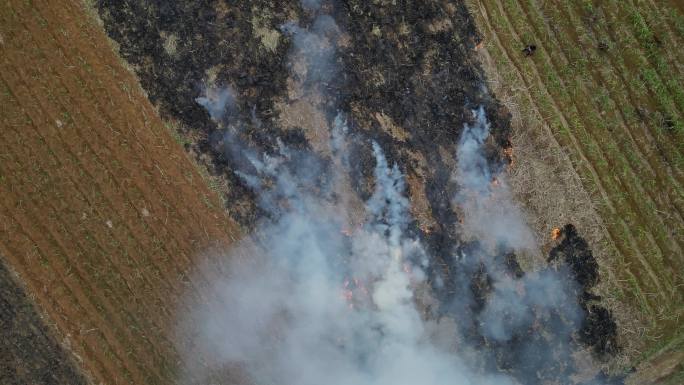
(359, 149)
(327, 292)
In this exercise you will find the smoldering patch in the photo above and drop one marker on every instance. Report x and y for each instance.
(218, 101)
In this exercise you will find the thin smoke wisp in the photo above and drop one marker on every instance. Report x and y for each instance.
(489, 212)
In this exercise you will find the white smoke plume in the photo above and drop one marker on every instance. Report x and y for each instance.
(317, 306)
(308, 301)
(485, 198)
(217, 101)
(313, 50)
(313, 297)
(536, 303)
(515, 305)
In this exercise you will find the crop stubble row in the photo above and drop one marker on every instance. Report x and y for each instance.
(632, 168)
(101, 215)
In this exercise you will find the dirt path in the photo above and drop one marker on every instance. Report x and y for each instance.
(102, 212)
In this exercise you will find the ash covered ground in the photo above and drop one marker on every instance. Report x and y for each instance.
(25, 338)
(363, 123)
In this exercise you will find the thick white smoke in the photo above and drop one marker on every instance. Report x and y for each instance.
(316, 297)
(538, 310)
(318, 306)
(310, 300)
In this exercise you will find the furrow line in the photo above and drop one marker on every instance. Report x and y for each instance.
(601, 189)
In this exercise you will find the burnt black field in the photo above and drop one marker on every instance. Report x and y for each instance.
(29, 353)
(430, 83)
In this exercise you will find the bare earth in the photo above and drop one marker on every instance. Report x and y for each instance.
(101, 211)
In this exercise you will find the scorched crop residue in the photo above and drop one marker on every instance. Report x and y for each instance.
(332, 290)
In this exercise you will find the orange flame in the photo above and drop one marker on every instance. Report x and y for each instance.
(349, 229)
(508, 151)
(354, 292)
(495, 182)
(407, 268)
(555, 233)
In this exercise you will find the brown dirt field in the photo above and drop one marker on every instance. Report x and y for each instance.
(101, 212)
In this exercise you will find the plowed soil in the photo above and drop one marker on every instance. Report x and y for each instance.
(101, 211)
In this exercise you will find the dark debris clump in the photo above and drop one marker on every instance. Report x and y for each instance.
(599, 330)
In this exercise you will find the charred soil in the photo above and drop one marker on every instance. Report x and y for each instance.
(30, 352)
(408, 78)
